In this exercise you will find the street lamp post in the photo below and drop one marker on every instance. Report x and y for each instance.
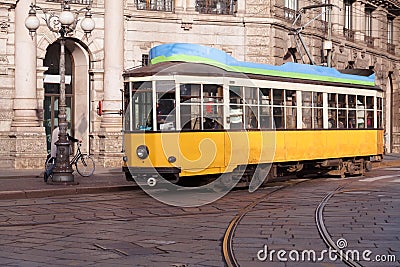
(63, 24)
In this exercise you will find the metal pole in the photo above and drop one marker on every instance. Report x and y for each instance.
(329, 52)
(62, 170)
(306, 49)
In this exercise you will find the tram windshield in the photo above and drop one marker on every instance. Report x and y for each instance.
(138, 114)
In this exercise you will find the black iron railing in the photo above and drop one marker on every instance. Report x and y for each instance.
(369, 40)
(155, 5)
(349, 34)
(221, 7)
(391, 48)
(289, 14)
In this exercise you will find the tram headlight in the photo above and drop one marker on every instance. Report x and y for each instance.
(142, 151)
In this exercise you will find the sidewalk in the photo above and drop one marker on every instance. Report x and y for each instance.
(16, 184)
(392, 159)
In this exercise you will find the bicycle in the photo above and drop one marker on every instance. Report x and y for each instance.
(84, 164)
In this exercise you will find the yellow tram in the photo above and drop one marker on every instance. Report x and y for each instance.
(197, 111)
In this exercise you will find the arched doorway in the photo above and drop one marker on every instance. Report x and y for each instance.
(52, 90)
(77, 90)
(389, 114)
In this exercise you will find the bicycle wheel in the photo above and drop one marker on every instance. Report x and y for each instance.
(48, 171)
(85, 165)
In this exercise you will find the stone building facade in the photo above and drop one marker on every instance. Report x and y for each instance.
(356, 35)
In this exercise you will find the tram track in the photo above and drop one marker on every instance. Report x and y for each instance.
(227, 241)
(323, 232)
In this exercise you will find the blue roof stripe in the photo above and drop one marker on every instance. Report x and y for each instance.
(173, 49)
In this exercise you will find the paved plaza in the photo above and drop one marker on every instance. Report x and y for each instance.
(105, 221)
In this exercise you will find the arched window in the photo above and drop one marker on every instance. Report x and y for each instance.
(368, 27)
(348, 20)
(291, 7)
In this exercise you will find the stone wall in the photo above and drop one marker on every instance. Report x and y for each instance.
(258, 32)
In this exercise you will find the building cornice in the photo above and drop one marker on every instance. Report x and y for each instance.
(392, 6)
(8, 3)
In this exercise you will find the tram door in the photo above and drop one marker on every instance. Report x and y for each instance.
(52, 91)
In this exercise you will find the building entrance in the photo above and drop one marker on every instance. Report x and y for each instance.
(52, 90)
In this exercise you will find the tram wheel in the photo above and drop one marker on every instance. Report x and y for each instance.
(128, 177)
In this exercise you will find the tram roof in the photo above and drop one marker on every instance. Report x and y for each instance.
(184, 58)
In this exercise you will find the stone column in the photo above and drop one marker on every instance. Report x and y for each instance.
(180, 6)
(359, 21)
(190, 6)
(113, 63)
(25, 103)
(27, 145)
(379, 28)
(337, 18)
(241, 8)
(109, 136)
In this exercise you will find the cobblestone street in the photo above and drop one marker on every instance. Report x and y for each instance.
(131, 229)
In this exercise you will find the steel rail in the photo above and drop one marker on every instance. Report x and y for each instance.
(323, 232)
(227, 241)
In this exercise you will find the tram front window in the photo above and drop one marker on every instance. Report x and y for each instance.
(140, 108)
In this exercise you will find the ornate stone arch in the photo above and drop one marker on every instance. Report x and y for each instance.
(81, 49)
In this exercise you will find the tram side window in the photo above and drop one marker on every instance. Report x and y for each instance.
(351, 101)
(351, 104)
(190, 93)
(332, 100)
(342, 118)
(312, 110)
(141, 106)
(291, 109)
(380, 112)
(317, 110)
(236, 107)
(213, 107)
(198, 98)
(265, 108)
(361, 111)
(352, 119)
(190, 106)
(332, 118)
(165, 92)
(307, 110)
(342, 111)
(370, 111)
(332, 110)
(251, 107)
(278, 108)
